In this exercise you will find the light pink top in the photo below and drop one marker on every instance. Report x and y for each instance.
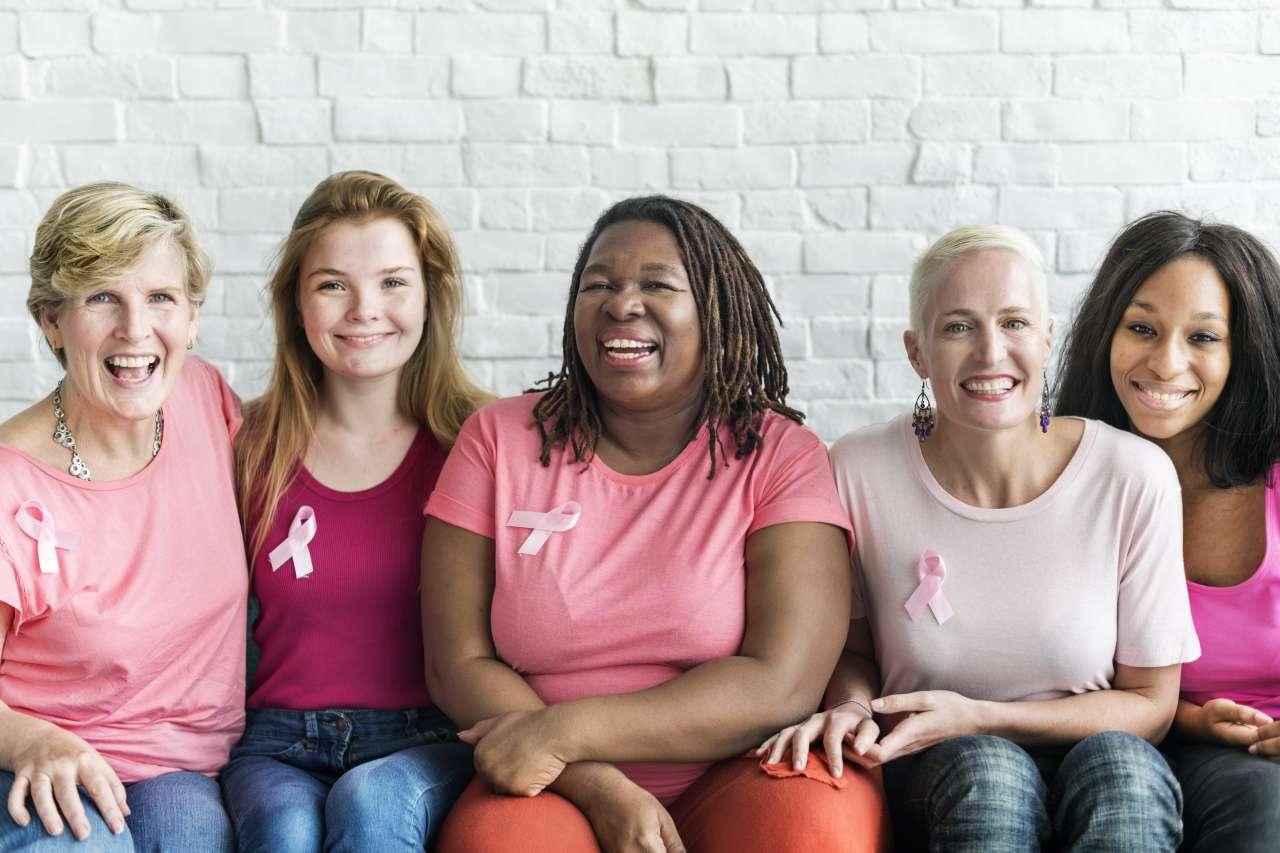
(1048, 596)
(136, 644)
(1239, 628)
(651, 581)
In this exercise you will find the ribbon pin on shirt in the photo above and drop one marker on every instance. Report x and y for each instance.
(932, 572)
(294, 547)
(37, 522)
(558, 520)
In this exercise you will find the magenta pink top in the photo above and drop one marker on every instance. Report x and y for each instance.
(135, 642)
(349, 635)
(651, 579)
(1239, 628)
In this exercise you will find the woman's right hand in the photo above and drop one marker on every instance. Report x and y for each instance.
(628, 819)
(846, 721)
(1227, 722)
(48, 763)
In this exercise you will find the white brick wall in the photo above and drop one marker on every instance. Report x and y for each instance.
(836, 137)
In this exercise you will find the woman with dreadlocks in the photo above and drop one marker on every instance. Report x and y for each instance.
(643, 570)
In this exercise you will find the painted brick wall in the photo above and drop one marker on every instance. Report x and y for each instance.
(836, 137)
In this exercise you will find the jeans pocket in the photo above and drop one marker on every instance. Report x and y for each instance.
(269, 744)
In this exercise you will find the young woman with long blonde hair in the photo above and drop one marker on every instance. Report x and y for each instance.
(343, 747)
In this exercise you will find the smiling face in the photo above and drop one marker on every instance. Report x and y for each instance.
(635, 320)
(1171, 353)
(125, 342)
(985, 341)
(362, 298)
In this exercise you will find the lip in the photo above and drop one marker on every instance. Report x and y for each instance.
(989, 377)
(132, 384)
(364, 341)
(632, 362)
(1156, 404)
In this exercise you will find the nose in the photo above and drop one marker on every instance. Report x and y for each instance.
(135, 324)
(991, 346)
(624, 302)
(1168, 358)
(365, 305)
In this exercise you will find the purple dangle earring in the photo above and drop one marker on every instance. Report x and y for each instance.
(1044, 403)
(922, 415)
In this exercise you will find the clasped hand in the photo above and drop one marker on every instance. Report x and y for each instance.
(926, 718)
(518, 753)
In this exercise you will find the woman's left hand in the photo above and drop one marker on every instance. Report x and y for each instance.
(518, 752)
(932, 716)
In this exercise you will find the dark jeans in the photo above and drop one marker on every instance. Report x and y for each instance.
(1232, 797)
(367, 781)
(1110, 792)
(180, 812)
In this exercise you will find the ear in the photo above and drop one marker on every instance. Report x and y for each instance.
(1048, 342)
(911, 343)
(49, 325)
(194, 326)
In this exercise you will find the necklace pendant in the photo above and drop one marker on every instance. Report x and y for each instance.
(78, 468)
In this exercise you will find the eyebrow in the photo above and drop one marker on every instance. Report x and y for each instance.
(1202, 315)
(601, 267)
(965, 312)
(332, 271)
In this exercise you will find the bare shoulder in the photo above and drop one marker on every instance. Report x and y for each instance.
(29, 430)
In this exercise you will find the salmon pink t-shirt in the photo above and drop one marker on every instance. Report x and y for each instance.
(1239, 628)
(136, 642)
(650, 581)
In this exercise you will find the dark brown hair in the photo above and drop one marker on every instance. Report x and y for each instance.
(742, 356)
(1242, 439)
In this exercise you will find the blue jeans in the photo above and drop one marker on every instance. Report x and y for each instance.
(368, 781)
(1111, 791)
(1232, 797)
(179, 811)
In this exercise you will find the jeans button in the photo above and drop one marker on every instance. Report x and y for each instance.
(340, 725)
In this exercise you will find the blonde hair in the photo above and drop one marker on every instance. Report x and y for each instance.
(434, 389)
(93, 234)
(950, 247)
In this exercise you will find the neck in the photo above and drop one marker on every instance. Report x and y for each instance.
(109, 442)
(369, 407)
(1181, 450)
(654, 436)
(989, 468)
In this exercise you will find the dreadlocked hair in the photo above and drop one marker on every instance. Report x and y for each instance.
(744, 374)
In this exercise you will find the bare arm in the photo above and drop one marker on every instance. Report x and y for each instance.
(48, 763)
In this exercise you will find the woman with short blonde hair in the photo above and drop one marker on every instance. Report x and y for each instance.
(122, 622)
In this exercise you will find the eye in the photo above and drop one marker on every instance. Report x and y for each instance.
(1141, 329)
(330, 285)
(955, 328)
(594, 285)
(99, 298)
(1205, 338)
(390, 283)
(657, 285)
(163, 298)
(1017, 324)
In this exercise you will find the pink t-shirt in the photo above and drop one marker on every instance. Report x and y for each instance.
(1047, 596)
(651, 581)
(349, 635)
(136, 642)
(1239, 628)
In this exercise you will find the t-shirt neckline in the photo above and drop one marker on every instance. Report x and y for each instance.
(1265, 568)
(411, 455)
(697, 443)
(996, 514)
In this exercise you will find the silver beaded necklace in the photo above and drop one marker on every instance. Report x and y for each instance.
(62, 435)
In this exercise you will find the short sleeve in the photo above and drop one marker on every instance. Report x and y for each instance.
(1154, 626)
(464, 492)
(798, 485)
(12, 591)
(227, 401)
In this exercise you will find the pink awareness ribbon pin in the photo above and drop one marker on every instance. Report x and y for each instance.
(932, 572)
(37, 522)
(558, 520)
(294, 547)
